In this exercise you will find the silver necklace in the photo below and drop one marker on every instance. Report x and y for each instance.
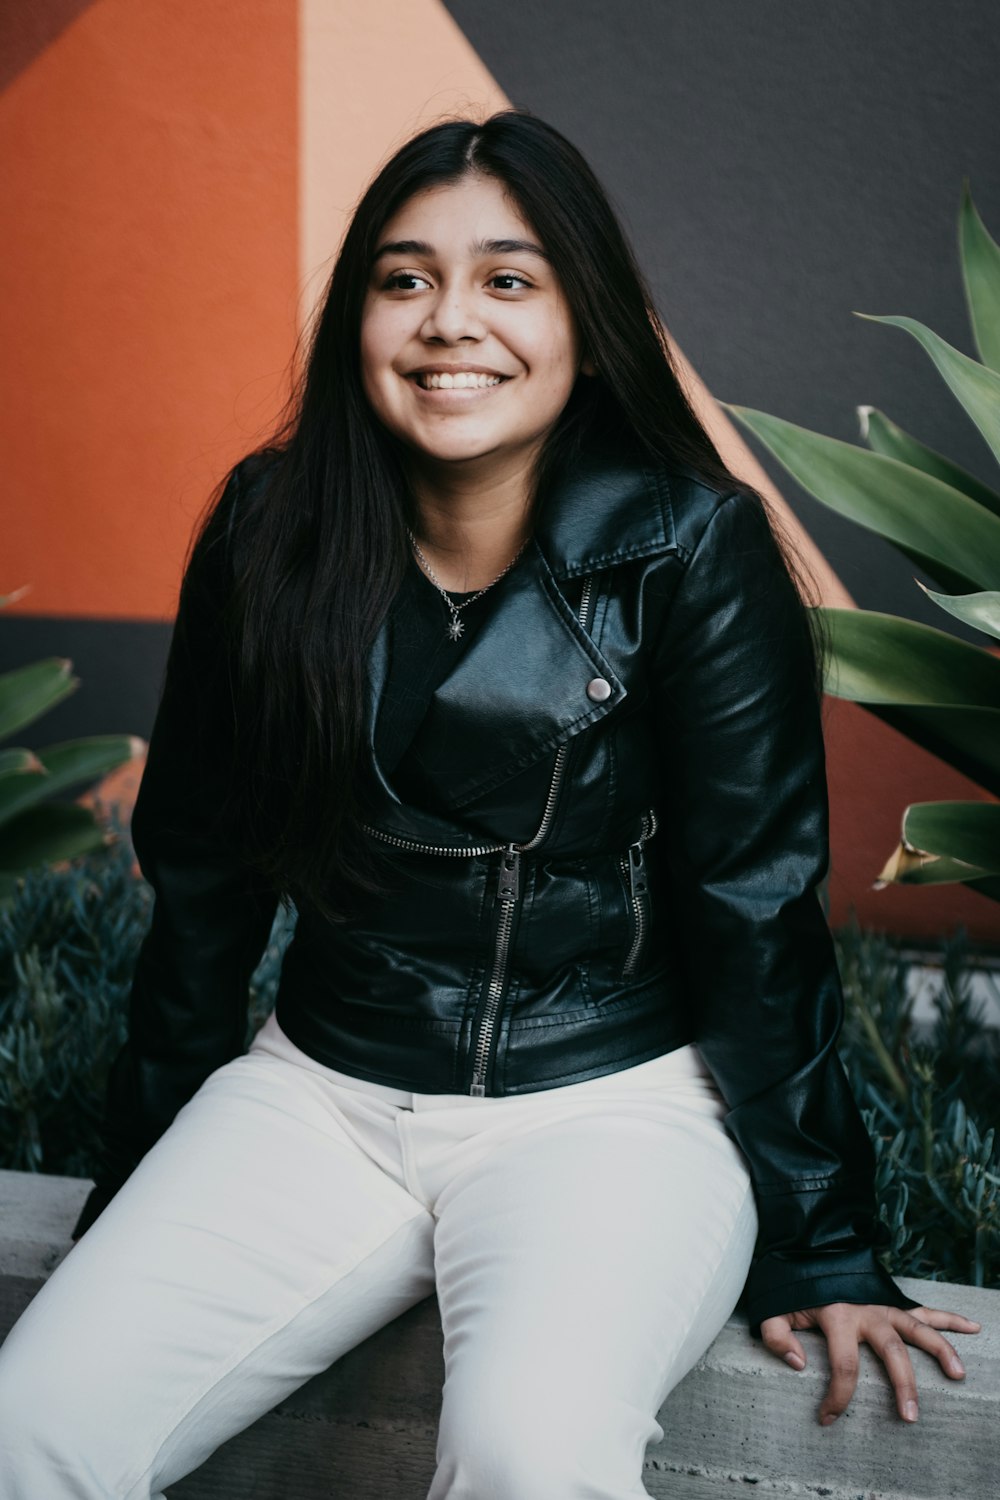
(456, 626)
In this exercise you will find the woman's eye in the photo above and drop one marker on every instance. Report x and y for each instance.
(395, 281)
(403, 281)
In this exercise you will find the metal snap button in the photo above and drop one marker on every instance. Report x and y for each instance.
(598, 688)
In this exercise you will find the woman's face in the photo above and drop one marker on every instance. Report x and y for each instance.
(460, 283)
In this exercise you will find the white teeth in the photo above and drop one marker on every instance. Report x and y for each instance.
(461, 380)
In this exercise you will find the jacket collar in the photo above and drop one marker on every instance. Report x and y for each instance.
(520, 691)
(612, 505)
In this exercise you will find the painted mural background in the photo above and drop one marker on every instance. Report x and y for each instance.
(179, 174)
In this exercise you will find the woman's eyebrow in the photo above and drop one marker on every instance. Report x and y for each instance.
(478, 247)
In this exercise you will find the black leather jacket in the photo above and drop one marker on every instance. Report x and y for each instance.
(630, 763)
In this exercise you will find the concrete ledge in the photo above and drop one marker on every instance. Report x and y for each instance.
(741, 1422)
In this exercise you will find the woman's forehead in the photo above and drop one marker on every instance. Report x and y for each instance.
(472, 211)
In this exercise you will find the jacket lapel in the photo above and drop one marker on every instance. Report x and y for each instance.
(520, 690)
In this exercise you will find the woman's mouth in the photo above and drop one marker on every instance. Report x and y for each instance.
(462, 380)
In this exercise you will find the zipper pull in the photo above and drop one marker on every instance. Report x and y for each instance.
(510, 863)
(637, 880)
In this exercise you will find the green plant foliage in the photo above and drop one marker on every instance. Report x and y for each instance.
(885, 436)
(68, 943)
(975, 386)
(941, 692)
(929, 1101)
(68, 946)
(981, 276)
(941, 529)
(34, 829)
(981, 611)
(69, 940)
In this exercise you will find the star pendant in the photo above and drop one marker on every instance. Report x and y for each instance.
(455, 629)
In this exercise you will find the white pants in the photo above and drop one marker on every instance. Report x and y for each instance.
(587, 1243)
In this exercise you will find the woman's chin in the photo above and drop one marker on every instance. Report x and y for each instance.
(456, 449)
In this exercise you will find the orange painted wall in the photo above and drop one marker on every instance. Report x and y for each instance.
(149, 224)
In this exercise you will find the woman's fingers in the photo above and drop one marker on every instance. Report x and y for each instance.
(888, 1330)
(779, 1338)
(885, 1329)
(885, 1339)
(919, 1326)
(841, 1325)
(938, 1317)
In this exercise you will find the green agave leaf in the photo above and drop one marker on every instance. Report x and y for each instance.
(966, 738)
(884, 436)
(28, 692)
(913, 510)
(979, 610)
(952, 872)
(947, 843)
(881, 658)
(15, 761)
(981, 275)
(63, 766)
(912, 864)
(937, 690)
(976, 386)
(943, 871)
(966, 832)
(53, 831)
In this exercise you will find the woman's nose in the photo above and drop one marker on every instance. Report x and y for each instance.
(453, 316)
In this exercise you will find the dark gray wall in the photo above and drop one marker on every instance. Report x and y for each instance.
(778, 165)
(119, 665)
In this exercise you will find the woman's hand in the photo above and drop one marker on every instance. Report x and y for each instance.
(848, 1324)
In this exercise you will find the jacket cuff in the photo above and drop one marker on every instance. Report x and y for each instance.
(777, 1286)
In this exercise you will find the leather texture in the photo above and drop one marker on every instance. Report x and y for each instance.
(638, 711)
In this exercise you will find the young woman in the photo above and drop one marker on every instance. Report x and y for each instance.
(490, 666)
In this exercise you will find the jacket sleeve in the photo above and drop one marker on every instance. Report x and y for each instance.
(188, 1002)
(745, 841)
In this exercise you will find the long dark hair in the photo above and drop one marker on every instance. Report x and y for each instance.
(320, 548)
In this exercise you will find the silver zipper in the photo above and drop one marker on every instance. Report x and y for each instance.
(550, 801)
(391, 838)
(633, 867)
(508, 887)
(508, 892)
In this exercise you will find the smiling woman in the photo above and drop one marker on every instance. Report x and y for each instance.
(488, 664)
(469, 354)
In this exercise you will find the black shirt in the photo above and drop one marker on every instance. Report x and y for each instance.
(422, 654)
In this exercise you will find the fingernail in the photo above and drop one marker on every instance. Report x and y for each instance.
(957, 1367)
(795, 1360)
(910, 1411)
(830, 1416)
